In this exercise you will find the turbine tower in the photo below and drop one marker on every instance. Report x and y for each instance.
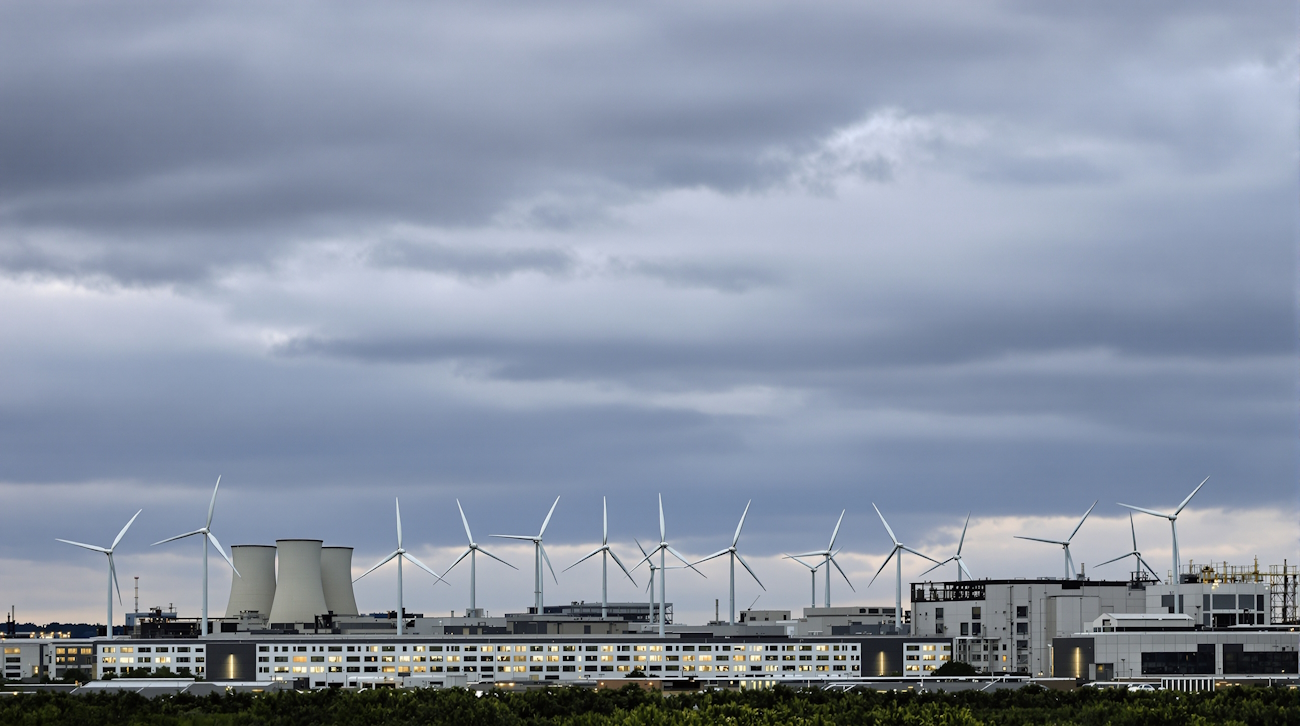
(961, 564)
(660, 549)
(828, 559)
(733, 555)
(1065, 545)
(812, 570)
(651, 587)
(539, 555)
(897, 554)
(472, 551)
(605, 553)
(1141, 562)
(1173, 526)
(401, 554)
(112, 570)
(208, 536)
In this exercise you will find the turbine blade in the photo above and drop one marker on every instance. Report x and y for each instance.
(223, 554)
(123, 532)
(685, 561)
(750, 570)
(422, 566)
(498, 559)
(604, 521)
(962, 542)
(836, 532)
(1080, 524)
(93, 548)
(1152, 512)
(1133, 530)
(962, 564)
(620, 564)
(548, 518)
(585, 557)
(820, 553)
(528, 538)
(179, 536)
(465, 522)
(1116, 559)
(1069, 562)
(382, 562)
(398, 505)
(883, 566)
(941, 564)
(661, 517)
(1189, 496)
(892, 538)
(112, 571)
(541, 547)
(719, 553)
(736, 539)
(213, 504)
(918, 554)
(638, 546)
(796, 559)
(841, 571)
(463, 555)
(1149, 567)
(1037, 539)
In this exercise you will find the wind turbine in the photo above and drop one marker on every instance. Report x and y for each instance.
(897, 554)
(206, 531)
(733, 556)
(1141, 562)
(662, 547)
(401, 554)
(539, 555)
(1173, 526)
(812, 570)
(961, 564)
(1069, 561)
(472, 551)
(651, 587)
(605, 553)
(828, 559)
(112, 570)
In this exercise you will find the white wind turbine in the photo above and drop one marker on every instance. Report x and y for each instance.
(1134, 553)
(733, 556)
(539, 555)
(112, 570)
(208, 536)
(1173, 526)
(651, 587)
(605, 553)
(660, 549)
(812, 570)
(472, 551)
(1069, 561)
(828, 559)
(401, 554)
(897, 554)
(961, 564)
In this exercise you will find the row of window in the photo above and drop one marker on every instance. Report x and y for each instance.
(549, 648)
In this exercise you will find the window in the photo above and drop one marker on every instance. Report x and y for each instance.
(975, 613)
(1022, 611)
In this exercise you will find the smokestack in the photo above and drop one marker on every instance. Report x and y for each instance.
(256, 589)
(336, 580)
(299, 596)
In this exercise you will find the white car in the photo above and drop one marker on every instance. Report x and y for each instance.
(1142, 687)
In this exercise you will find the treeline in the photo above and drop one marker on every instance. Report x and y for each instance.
(632, 706)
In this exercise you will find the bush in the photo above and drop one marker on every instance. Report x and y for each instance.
(955, 668)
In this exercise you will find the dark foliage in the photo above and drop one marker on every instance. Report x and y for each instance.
(632, 705)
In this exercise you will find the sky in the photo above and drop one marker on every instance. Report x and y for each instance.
(996, 258)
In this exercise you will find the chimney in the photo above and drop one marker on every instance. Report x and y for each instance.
(336, 580)
(299, 595)
(256, 589)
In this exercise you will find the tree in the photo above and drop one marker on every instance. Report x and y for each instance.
(955, 668)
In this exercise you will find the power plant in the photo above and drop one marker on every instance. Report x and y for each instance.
(292, 617)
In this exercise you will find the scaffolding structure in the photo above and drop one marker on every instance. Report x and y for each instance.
(1283, 582)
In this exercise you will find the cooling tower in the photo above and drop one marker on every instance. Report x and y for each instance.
(336, 580)
(256, 589)
(299, 597)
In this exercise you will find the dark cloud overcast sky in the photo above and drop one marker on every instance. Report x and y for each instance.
(991, 256)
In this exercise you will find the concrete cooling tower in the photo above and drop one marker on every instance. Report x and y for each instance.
(255, 590)
(336, 580)
(299, 595)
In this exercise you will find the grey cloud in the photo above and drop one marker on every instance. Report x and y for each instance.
(475, 263)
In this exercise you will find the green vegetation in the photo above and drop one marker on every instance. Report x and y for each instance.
(634, 706)
(954, 668)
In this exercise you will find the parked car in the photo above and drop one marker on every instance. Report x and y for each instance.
(1143, 687)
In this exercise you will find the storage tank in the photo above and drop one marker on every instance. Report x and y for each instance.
(256, 589)
(299, 596)
(336, 580)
